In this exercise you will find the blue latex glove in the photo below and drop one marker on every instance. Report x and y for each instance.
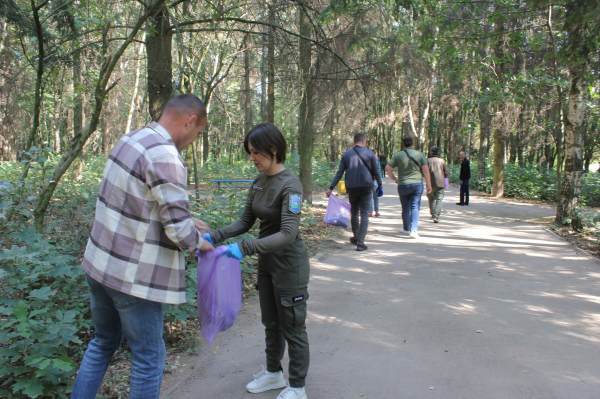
(208, 238)
(380, 191)
(233, 251)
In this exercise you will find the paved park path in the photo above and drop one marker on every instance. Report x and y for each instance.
(483, 305)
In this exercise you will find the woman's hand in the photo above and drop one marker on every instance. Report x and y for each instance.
(328, 192)
(233, 251)
(208, 238)
(201, 226)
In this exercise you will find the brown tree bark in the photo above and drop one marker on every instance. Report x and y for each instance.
(159, 61)
(271, 68)
(306, 110)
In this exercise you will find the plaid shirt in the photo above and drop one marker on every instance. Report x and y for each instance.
(143, 223)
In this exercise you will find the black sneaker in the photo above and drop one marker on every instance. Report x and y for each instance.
(460, 203)
(361, 247)
(353, 240)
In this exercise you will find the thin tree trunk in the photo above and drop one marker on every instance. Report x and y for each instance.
(136, 85)
(485, 118)
(248, 94)
(498, 188)
(306, 111)
(271, 68)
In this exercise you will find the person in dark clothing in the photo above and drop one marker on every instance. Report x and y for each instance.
(382, 164)
(275, 198)
(465, 175)
(361, 168)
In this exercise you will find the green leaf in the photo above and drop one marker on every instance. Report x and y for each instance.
(63, 363)
(43, 293)
(30, 387)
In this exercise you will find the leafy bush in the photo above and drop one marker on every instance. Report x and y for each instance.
(322, 173)
(43, 306)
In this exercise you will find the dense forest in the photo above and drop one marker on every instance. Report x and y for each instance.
(512, 83)
(508, 82)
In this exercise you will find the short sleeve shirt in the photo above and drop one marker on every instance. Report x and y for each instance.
(408, 172)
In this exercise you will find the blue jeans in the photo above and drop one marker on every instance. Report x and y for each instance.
(117, 315)
(410, 198)
(375, 199)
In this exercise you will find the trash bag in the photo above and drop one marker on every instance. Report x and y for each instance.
(219, 291)
(446, 182)
(338, 212)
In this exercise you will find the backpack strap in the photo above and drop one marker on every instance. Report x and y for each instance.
(363, 161)
(416, 163)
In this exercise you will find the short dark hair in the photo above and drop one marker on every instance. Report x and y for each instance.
(408, 141)
(188, 103)
(358, 137)
(263, 138)
(434, 150)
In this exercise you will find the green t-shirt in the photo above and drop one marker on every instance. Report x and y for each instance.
(408, 173)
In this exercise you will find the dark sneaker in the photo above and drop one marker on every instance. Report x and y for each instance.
(361, 247)
(460, 203)
(353, 240)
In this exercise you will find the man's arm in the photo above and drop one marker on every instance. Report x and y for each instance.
(337, 177)
(425, 170)
(390, 172)
(167, 177)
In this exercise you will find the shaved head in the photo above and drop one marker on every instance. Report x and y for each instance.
(186, 104)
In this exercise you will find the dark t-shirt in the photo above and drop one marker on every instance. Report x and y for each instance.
(277, 202)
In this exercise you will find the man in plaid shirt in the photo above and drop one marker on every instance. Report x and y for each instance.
(134, 261)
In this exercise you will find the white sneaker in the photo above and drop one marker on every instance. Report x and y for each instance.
(265, 381)
(402, 231)
(414, 234)
(292, 393)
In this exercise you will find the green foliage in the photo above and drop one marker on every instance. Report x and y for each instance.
(241, 170)
(44, 307)
(530, 183)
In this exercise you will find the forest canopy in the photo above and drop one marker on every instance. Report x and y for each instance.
(508, 82)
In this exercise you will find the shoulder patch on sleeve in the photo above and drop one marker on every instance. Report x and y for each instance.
(295, 203)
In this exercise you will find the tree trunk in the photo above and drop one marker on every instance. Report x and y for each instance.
(573, 173)
(248, 93)
(498, 188)
(485, 118)
(306, 110)
(159, 61)
(271, 68)
(136, 85)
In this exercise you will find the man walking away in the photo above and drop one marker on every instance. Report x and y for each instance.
(465, 175)
(412, 168)
(360, 166)
(134, 259)
(438, 171)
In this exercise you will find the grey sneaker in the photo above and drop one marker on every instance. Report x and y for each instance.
(436, 220)
(292, 393)
(414, 234)
(402, 231)
(265, 381)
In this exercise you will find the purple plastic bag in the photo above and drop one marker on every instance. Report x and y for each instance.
(338, 212)
(446, 182)
(219, 291)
